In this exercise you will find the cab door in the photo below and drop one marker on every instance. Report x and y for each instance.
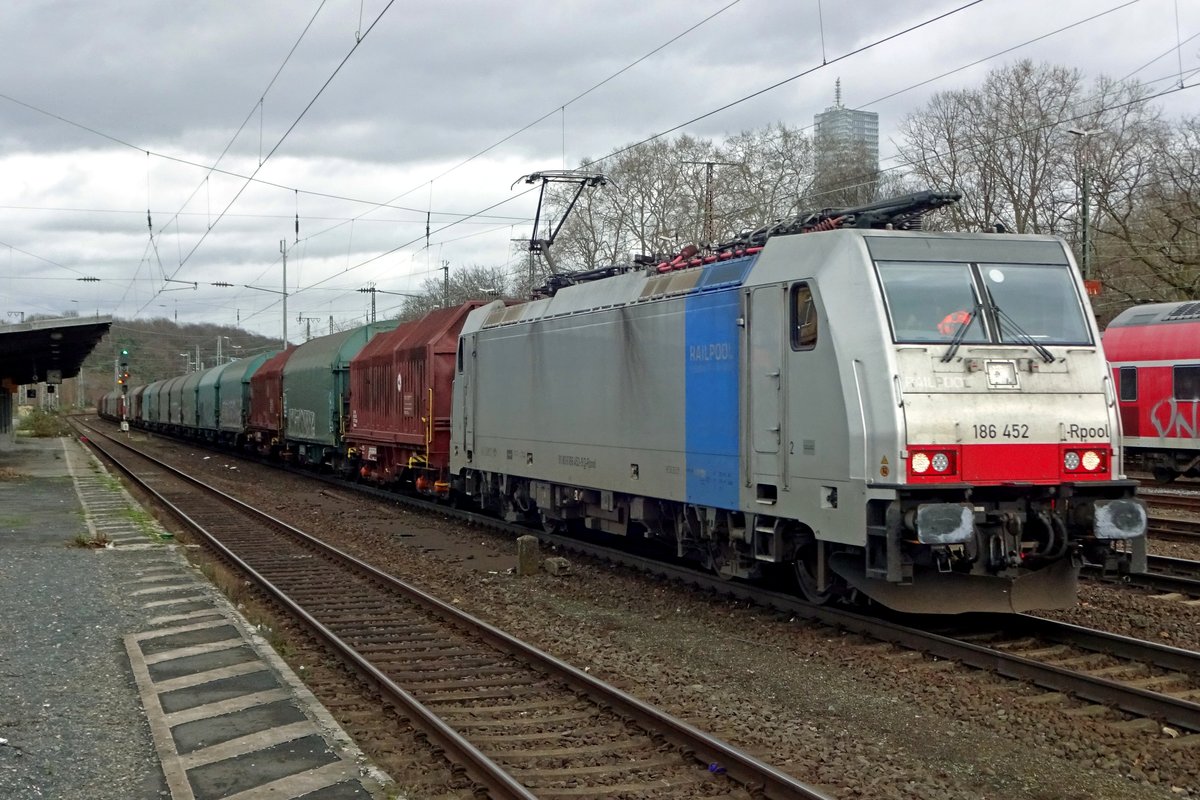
(766, 388)
(466, 376)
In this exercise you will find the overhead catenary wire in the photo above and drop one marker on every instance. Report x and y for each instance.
(808, 71)
(468, 220)
(858, 50)
(283, 138)
(560, 108)
(468, 217)
(756, 93)
(776, 85)
(258, 105)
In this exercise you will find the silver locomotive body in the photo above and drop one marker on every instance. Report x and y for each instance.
(921, 418)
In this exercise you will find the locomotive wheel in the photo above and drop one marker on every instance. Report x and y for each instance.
(718, 555)
(805, 569)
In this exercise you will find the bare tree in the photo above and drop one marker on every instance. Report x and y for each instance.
(846, 174)
(1001, 145)
(1149, 235)
(668, 193)
(468, 283)
(1021, 149)
(775, 170)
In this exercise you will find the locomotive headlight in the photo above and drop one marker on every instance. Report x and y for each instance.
(941, 462)
(920, 463)
(1091, 460)
(1071, 460)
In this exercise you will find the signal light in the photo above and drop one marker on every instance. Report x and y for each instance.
(932, 462)
(1085, 460)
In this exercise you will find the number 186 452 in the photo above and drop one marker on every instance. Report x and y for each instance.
(1011, 430)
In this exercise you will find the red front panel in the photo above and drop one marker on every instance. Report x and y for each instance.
(995, 464)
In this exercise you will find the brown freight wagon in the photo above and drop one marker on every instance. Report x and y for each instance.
(264, 421)
(400, 390)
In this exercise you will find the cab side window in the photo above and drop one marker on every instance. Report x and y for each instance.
(804, 318)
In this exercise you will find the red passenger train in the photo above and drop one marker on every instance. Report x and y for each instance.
(1154, 352)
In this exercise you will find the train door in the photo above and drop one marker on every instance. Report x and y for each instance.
(766, 388)
(822, 418)
(466, 376)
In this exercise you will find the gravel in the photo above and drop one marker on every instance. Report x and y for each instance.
(859, 718)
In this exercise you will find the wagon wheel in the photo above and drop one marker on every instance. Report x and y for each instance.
(1164, 474)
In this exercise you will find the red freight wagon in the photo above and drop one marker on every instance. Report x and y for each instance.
(400, 388)
(264, 421)
(1154, 352)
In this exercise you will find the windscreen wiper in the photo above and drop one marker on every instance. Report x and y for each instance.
(1018, 332)
(961, 333)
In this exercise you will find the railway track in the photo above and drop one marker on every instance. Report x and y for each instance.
(1180, 530)
(518, 722)
(1096, 671)
(1172, 500)
(1133, 682)
(1167, 575)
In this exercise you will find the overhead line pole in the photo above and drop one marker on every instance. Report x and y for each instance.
(283, 251)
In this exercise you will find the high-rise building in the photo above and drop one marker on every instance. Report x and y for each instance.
(846, 145)
(847, 128)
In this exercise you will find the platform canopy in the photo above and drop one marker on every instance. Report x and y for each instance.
(49, 349)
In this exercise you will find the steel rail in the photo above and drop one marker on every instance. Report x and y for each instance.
(1189, 502)
(478, 766)
(1169, 565)
(1171, 528)
(1131, 699)
(761, 779)
(1167, 574)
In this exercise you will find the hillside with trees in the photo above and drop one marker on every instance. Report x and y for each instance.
(159, 348)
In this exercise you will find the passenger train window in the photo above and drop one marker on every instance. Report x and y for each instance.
(804, 318)
(1128, 383)
(460, 355)
(1187, 382)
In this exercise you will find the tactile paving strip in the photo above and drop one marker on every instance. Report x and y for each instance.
(229, 718)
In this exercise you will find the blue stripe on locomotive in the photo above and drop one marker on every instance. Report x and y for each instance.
(712, 397)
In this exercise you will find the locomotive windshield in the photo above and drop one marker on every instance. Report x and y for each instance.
(930, 302)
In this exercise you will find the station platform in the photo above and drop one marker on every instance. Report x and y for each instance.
(125, 674)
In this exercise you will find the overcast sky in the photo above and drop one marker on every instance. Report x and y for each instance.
(90, 87)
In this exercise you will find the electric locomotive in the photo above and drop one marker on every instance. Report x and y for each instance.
(1154, 351)
(923, 419)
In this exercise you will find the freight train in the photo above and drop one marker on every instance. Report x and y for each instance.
(876, 411)
(1154, 351)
